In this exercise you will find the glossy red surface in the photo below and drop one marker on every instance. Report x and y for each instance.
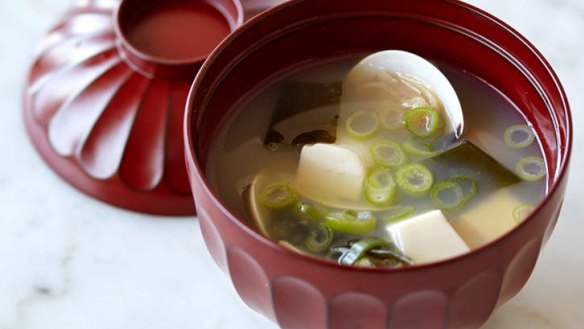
(105, 97)
(176, 31)
(296, 291)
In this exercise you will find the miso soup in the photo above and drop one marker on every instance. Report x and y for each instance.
(376, 182)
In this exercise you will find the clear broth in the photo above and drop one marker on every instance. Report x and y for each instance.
(239, 153)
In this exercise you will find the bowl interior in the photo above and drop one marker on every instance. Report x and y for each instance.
(306, 32)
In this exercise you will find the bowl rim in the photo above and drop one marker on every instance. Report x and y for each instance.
(563, 154)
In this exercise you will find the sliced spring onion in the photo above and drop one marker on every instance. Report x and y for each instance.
(278, 195)
(417, 148)
(360, 248)
(397, 213)
(521, 212)
(423, 121)
(379, 178)
(319, 238)
(350, 221)
(414, 178)
(392, 118)
(380, 197)
(450, 193)
(362, 124)
(308, 211)
(530, 168)
(447, 195)
(388, 154)
(469, 186)
(380, 188)
(519, 136)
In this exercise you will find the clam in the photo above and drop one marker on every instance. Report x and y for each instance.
(252, 198)
(402, 80)
(388, 85)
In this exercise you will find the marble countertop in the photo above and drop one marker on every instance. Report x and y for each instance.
(69, 261)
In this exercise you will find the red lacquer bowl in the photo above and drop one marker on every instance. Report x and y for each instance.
(105, 96)
(296, 291)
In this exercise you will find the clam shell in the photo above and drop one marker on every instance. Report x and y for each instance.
(413, 68)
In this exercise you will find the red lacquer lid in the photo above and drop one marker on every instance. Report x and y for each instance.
(106, 93)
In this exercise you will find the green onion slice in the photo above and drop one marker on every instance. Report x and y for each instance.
(278, 195)
(351, 221)
(388, 154)
(397, 213)
(530, 168)
(360, 248)
(521, 212)
(380, 188)
(307, 210)
(423, 121)
(453, 193)
(362, 124)
(417, 148)
(519, 136)
(469, 186)
(392, 118)
(319, 238)
(380, 197)
(379, 178)
(447, 195)
(414, 178)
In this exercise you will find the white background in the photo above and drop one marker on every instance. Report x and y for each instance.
(68, 261)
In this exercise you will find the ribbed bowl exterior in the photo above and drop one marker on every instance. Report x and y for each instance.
(299, 292)
(108, 124)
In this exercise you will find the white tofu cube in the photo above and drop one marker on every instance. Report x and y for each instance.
(427, 238)
(331, 170)
(488, 220)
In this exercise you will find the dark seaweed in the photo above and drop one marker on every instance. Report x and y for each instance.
(466, 159)
(313, 137)
(295, 97)
(273, 137)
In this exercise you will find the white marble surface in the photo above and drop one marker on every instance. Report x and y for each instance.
(68, 261)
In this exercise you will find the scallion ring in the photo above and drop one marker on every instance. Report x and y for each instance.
(397, 213)
(350, 221)
(414, 178)
(362, 124)
(388, 154)
(531, 168)
(519, 136)
(447, 195)
(417, 148)
(307, 210)
(423, 122)
(521, 212)
(380, 188)
(392, 118)
(452, 193)
(278, 195)
(319, 238)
